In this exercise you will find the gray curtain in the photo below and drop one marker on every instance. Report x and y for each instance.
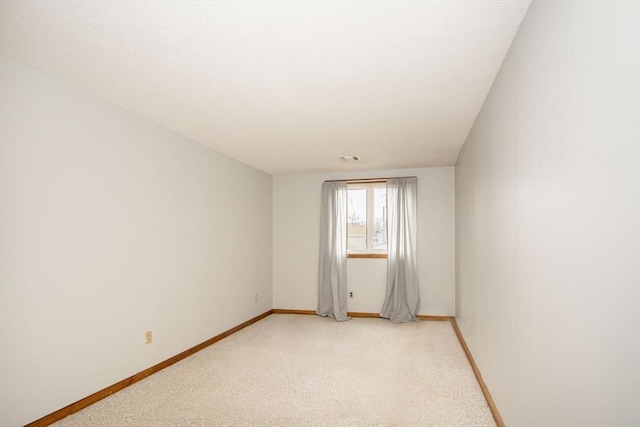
(402, 300)
(332, 275)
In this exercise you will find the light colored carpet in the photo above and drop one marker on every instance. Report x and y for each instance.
(297, 370)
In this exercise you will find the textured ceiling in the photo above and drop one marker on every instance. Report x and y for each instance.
(286, 87)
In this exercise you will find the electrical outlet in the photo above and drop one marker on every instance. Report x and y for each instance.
(255, 298)
(148, 337)
(351, 294)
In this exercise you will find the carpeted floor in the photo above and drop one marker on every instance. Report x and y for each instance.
(297, 370)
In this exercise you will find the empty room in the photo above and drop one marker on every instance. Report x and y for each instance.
(322, 213)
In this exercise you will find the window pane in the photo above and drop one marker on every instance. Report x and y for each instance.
(357, 220)
(380, 218)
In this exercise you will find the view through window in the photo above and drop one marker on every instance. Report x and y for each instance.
(367, 218)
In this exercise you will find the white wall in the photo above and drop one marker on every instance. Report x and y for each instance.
(111, 226)
(548, 221)
(296, 231)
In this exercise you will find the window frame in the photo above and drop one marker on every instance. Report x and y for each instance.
(369, 186)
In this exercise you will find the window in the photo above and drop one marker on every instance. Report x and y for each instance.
(367, 220)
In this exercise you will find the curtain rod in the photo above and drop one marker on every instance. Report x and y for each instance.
(363, 180)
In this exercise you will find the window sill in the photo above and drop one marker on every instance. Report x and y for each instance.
(366, 255)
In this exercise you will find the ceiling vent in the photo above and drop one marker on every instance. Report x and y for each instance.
(351, 158)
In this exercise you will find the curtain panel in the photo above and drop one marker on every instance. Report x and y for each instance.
(332, 272)
(402, 300)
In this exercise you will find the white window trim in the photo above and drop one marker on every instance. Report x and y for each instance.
(370, 223)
